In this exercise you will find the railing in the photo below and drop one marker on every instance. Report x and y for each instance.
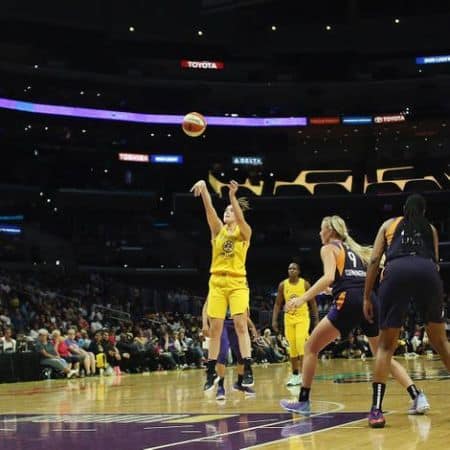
(115, 314)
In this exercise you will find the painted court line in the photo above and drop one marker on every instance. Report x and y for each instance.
(255, 421)
(308, 434)
(340, 407)
(208, 438)
(73, 431)
(300, 435)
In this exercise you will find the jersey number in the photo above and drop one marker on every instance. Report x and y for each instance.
(352, 258)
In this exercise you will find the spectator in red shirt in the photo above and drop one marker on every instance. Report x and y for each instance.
(64, 352)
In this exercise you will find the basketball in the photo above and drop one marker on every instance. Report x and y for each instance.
(194, 124)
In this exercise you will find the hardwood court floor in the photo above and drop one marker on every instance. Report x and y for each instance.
(169, 410)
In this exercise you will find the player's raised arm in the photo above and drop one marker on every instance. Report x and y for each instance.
(200, 190)
(236, 204)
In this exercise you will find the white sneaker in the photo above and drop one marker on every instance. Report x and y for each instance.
(294, 380)
(71, 374)
(420, 405)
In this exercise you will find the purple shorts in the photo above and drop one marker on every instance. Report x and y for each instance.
(346, 313)
(229, 340)
(410, 279)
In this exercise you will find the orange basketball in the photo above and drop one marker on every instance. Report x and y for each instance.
(194, 124)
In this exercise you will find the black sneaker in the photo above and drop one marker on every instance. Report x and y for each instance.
(211, 380)
(248, 378)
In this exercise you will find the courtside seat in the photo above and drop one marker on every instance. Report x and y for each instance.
(292, 190)
(421, 186)
(330, 189)
(385, 187)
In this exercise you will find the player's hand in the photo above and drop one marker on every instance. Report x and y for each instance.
(368, 309)
(198, 188)
(294, 303)
(233, 186)
(205, 330)
(275, 327)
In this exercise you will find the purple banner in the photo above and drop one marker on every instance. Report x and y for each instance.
(162, 119)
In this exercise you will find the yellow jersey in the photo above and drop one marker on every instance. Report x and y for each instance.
(291, 291)
(229, 252)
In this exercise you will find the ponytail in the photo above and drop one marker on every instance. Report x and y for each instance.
(414, 215)
(244, 203)
(338, 225)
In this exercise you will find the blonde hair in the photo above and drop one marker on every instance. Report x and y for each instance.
(244, 203)
(338, 225)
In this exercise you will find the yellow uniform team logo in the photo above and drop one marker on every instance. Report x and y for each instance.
(228, 248)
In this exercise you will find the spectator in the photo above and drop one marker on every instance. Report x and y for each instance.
(63, 351)
(8, 343)
(87, 358)
(96, 347)
(4, 317)
(131, 361)
(194, 353)
(84, 341)
(112, 354)
(49, 356)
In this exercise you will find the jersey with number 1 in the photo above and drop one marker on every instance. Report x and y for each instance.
(350, 270)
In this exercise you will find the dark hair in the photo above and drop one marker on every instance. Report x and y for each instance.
(414, 212)
(416, 224)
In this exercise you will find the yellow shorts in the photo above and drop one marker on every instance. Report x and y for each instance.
(297, 333)
(225, 292)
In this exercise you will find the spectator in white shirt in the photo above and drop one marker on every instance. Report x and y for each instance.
(9, 344)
